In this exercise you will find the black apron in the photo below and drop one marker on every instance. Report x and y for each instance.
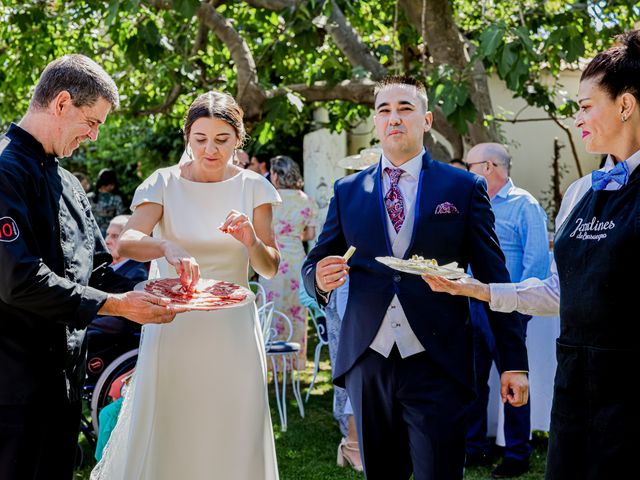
(595, 421)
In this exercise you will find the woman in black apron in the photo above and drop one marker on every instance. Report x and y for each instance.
(595, 420)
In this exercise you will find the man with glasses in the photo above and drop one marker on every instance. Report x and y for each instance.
(521, 225)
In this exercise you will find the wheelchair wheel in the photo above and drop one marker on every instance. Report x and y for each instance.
(100, 397)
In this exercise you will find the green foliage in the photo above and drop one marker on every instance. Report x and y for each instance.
(525, 42)
(150, 52)
(450, 91)
(133, 149)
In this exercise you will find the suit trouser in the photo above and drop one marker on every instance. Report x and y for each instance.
(517, 420)
(38, 442)
(410, 416)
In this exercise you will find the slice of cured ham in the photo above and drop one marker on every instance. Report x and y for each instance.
(208, 295)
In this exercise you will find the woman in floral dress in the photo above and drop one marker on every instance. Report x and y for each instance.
(294, 221)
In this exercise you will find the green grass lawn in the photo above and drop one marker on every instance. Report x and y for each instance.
(307, 450)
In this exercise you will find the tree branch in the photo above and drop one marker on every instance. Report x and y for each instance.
(200, 44)
(348, 90)
(572, 144)
(448, 131)
(349, 42)
(273, 4)
(447, 47)
(250, 94)
(201, 39)
(161, 4)
(556, 120)
(168, 103)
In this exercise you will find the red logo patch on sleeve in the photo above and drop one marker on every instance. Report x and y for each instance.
(8, 229)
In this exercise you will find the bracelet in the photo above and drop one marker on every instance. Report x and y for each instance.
(321, 293)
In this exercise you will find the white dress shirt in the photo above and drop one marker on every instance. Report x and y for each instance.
(542, 297)
(395, 328)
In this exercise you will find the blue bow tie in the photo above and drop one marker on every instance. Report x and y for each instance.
(619, 174)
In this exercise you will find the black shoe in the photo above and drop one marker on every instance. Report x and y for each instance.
(510, 468)
(477, 460)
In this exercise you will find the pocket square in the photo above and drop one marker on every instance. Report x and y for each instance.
(446, 208)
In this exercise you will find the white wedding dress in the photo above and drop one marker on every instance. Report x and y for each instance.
(198, 406)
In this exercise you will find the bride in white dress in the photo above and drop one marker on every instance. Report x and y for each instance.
(198, 408)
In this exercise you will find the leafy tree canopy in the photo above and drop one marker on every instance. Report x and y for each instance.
(284, 58)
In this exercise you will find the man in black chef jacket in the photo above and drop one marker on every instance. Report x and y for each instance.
(53, 272)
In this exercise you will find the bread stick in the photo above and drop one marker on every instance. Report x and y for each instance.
(350, 252)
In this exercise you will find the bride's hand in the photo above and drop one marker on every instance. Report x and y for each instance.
(468, 287)
(239, 226)
(186, 266)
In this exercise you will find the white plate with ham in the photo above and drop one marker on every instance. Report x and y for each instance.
(209, 294)
(418, 266)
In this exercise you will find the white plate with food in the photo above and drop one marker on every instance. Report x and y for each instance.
(209, 294)
(418, 265)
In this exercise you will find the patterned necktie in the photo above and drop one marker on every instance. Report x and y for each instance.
(619, 174)
(393, 199)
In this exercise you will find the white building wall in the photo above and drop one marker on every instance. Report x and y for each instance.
(531, 143)
(321, 152)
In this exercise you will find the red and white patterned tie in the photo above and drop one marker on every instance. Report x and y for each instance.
(393, 199)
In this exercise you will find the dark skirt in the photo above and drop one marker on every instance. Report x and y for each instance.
(595, 418)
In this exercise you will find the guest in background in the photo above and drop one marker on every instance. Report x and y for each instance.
(521, 226)
(106, 203)
(105, 331)
(294, 221)
(132, 269)
(349, 447)
(262, 165)
(331, 318)
(241, 158)
(84, 181)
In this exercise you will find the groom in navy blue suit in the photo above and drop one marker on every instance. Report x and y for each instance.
(405, 352)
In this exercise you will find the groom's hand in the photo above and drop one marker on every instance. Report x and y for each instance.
(331, 272)
(514, 388)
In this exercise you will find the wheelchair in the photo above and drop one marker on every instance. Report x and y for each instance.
(109, 357)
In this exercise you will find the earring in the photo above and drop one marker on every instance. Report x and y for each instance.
(623, 117)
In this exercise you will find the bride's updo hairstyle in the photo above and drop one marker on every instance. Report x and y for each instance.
(216, 105)
(618, 68)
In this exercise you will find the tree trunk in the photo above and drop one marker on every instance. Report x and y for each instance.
(446, 46)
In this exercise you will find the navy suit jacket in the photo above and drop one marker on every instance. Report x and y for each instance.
(357, 217)
(134, 270)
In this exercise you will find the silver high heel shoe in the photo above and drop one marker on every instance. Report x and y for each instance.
(343, 460)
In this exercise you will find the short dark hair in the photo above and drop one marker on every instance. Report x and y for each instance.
(216, 105)
(618, 68)
(106, 176)
(392, 80)
(260, 158)
(84, 79)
